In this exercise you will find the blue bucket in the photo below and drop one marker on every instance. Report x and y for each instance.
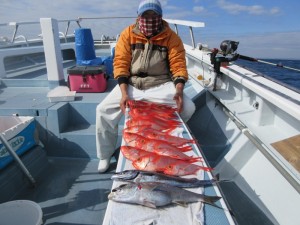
(85, 49)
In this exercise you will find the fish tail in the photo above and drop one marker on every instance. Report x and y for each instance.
(185, 148)
(205, 182)
(192, 141)
(170, 129)
(205, 168)
(176, 121)
(211, 200)
(197, 159)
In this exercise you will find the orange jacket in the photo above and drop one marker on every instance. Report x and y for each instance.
(149, 61)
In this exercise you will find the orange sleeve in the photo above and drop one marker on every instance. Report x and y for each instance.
(122, 60)
(177, 57)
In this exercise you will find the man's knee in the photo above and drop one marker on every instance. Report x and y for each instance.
(100, 108)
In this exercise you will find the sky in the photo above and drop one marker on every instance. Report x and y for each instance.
(264, 28)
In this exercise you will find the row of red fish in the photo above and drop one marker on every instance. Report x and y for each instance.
(150, 145)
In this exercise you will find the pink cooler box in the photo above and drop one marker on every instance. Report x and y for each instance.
(87, 79)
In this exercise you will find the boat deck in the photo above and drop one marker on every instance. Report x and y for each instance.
(70, 191)
(68, 188)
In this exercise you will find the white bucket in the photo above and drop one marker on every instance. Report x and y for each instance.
(20, 212)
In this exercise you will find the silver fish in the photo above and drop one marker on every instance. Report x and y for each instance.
(143, 176)
(155, 194)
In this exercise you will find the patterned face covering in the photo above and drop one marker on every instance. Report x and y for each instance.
(150, 26)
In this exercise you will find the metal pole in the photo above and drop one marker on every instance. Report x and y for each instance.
(17, 159)
(263, 149)
(15, 33)
(67, 29)
(176, 29)
(192, 36)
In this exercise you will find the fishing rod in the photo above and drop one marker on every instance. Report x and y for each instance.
(265, 62)
(228, 48)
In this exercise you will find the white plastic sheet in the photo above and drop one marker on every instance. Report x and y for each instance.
(128, 214)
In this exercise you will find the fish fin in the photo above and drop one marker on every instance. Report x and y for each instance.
(211, 200)
(149, 204)
(181, 203)
(217, 178)
(221, 181)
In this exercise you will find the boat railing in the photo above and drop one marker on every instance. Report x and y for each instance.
(176, 23)
(22, 37)
(16, 27)
(11, 47)
(105, 40)
(15, 40)
(189, 24)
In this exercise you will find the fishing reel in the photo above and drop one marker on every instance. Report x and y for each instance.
(228, 47)
(219, 58)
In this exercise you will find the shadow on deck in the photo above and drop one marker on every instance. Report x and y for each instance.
(69, 191)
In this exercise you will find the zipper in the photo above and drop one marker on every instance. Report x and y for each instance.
(146, 56)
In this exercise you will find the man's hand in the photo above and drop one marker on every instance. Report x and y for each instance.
(123, 103)
(178, 97)
(125, 97)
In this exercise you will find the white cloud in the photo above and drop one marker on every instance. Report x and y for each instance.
(198, 9)
(234, 8)
(33, 10)
(28, 10)
(275, 10)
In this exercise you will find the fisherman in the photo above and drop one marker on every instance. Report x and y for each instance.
(149, 65)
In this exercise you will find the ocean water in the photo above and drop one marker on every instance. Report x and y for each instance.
(287, 77)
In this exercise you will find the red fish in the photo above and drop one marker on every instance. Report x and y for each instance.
(154, 118)
(157, 163)
(132, 153)
(181, 169)
(150, 105)
(137, 112)
(151, 133)
(149, 122)
(138, 104)
(176, 154)
(158, 135)
(147, 144)
(157, 119)
(173, 153)
(137, 129)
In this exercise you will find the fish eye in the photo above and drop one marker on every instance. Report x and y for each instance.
(170, 166)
